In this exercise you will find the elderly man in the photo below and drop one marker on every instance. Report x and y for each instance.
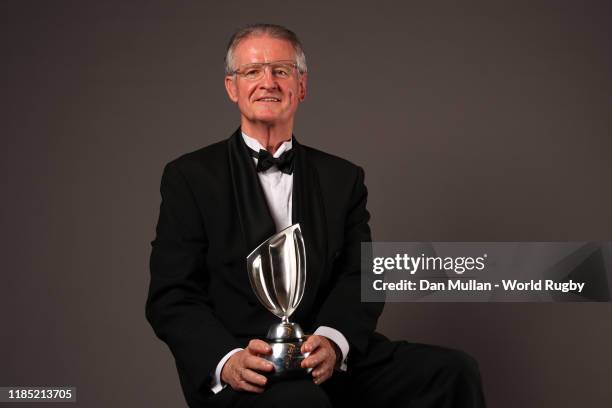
(220, 202)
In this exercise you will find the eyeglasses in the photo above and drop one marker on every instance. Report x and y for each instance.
(279, 69)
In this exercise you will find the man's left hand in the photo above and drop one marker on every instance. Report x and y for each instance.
(322, 359)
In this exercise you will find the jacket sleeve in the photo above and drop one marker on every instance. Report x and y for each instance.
(343, 309)
(177, 306)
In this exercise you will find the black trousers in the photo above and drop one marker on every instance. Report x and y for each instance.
(394, 374)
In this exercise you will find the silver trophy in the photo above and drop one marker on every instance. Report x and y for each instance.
(277, 272)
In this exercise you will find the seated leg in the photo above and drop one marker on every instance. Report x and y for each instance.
(295, 394)
(413, 375)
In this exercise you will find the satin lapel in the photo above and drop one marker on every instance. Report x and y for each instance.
(255, 219)
(309, 211)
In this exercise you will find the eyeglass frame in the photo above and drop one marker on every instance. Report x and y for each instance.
(291, 63)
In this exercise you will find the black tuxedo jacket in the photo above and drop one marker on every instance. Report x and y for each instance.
(213, 214)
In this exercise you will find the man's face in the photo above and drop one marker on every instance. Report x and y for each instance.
(271, 99)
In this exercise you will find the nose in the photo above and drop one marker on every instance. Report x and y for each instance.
(268, 81)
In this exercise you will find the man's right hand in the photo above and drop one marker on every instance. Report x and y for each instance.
(239, 370)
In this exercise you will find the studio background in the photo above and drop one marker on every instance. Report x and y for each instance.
(473, 122)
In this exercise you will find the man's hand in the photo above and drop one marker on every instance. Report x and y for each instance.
(239, 370)
(323, 356)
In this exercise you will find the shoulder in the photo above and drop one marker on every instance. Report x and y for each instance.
(327, 161)
(208, 161)
(210, 155)
(202, 167)
(331, 165)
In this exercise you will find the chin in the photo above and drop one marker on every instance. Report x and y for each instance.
(271, 118)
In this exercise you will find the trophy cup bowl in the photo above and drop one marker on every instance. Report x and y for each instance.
(277, 272)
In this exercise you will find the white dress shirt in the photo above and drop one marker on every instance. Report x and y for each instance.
(278, 190)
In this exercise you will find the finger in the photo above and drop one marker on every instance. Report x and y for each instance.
(324, 367)
(257, 346)
(318, 380)
(258, 363)
(324, 378)
(316, 358)
(253, 378)
(320, 376)
(312, 343)
(245, 386)
(322, 371)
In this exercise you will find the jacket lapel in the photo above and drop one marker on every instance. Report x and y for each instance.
(255, 220)
(308, 210)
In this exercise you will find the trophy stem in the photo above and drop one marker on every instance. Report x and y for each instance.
(286, 340)
(285, 331)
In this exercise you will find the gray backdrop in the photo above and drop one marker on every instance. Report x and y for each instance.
(474, 122)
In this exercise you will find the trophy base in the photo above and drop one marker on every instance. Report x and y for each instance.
(287, 359)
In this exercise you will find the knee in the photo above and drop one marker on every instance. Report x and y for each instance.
(297, 394)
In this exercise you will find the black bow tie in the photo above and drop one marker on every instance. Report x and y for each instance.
(265, 160)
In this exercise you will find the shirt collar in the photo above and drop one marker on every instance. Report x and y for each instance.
(255, 145)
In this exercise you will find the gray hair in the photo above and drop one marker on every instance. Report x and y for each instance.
(272, 30)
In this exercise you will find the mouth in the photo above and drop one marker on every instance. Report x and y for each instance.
(267, 99)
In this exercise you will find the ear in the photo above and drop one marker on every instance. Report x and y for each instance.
(230, 87)
(302, 86)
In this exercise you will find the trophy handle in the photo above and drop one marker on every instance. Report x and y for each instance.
(300, 253)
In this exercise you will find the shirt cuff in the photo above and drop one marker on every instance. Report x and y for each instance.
(338, 338)
(216, 384)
